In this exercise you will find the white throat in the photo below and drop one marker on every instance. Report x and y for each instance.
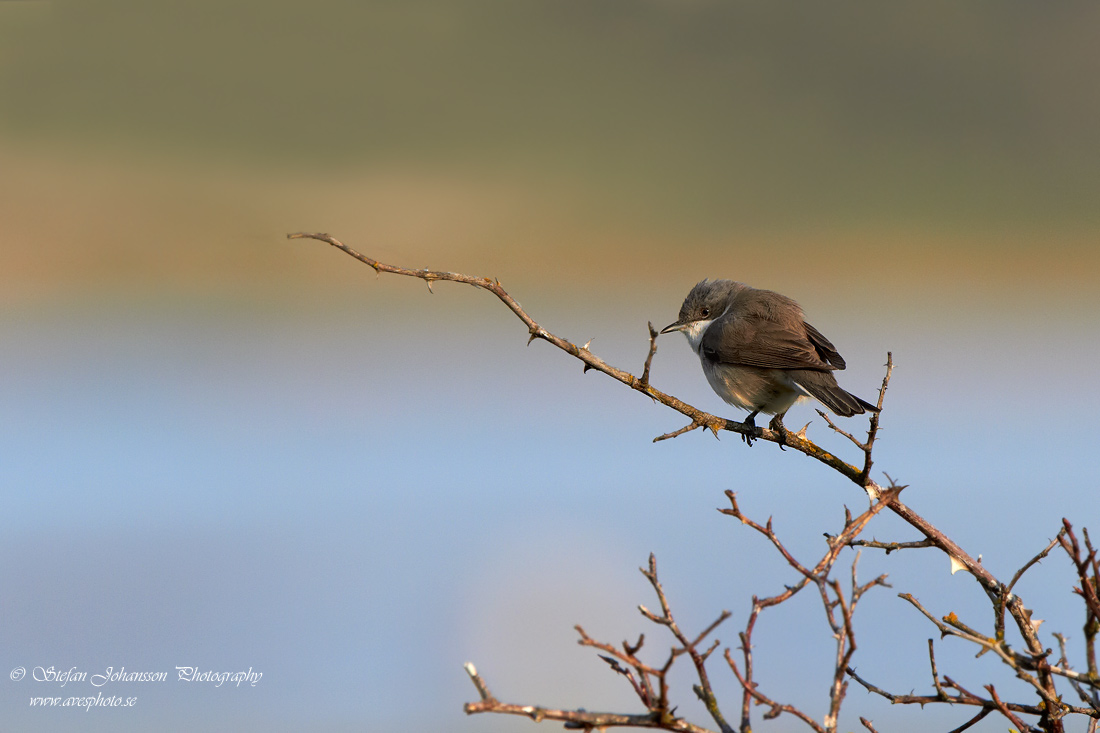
(695, 332)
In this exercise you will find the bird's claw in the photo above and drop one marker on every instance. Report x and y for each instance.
(777, 425)
(750, 424)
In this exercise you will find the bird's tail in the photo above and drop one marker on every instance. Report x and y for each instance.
(822, 386)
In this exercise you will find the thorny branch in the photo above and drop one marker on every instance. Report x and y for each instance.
(698, 417)
(1087, 565)
(1050, 710)
(572, 718)
(650, 683)
(831, 596)
(1031, 664)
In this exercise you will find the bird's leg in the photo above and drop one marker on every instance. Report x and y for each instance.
(750, 423)
(777, 425)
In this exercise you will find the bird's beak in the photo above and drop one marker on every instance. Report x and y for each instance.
(674, 327)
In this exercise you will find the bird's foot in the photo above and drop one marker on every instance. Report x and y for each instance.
(750, 424)
(777, 425)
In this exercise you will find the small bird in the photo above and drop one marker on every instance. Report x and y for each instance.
(759, 354)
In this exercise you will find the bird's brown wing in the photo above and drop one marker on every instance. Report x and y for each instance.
(768, 344)
(825, 349)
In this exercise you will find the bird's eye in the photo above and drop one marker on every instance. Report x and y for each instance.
(704, 312)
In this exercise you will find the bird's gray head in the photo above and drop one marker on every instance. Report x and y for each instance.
(707, 301)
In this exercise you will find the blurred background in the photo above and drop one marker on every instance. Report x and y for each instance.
(223, 449)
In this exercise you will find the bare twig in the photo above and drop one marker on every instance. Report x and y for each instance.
(650, 683)
(675, 433)
(1091, 699)
(1001, 603)
(642, 684)
(892, 546)
(837, 429)
(652, 350)
(704, 690)
(935, 674)
(583, 718)
(963, 698)
(1046, 551)
(1012, 717)
(832, 598)
(775, 708)
(973, 721)
(482, 688)
(873, 428)
(1088, 572)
